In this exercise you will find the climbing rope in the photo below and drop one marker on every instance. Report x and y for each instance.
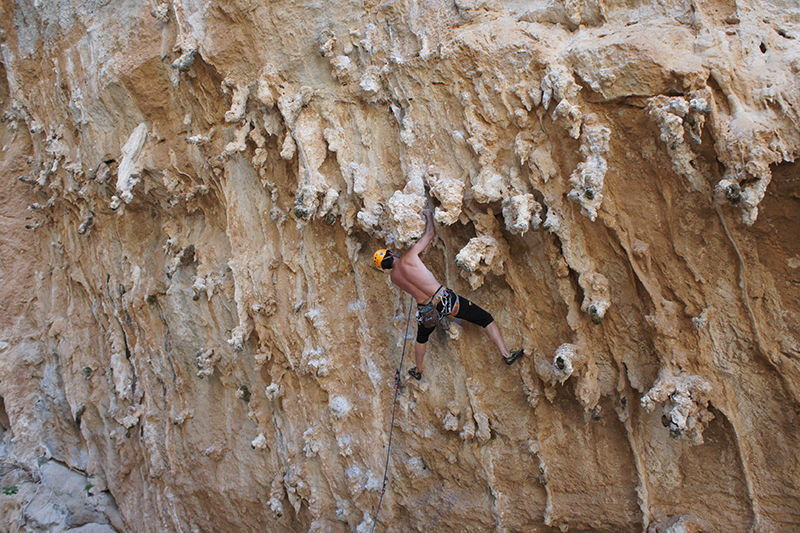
(391, 427)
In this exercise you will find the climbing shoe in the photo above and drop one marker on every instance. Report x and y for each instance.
(414, 373)
(513, 357)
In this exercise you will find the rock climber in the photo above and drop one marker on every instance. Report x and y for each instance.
(434, 300)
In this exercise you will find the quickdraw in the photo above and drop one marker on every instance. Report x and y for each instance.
(391, 427)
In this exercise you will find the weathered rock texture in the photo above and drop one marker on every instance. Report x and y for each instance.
(192, 192)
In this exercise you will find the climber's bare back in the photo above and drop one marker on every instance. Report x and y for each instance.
(410, 274)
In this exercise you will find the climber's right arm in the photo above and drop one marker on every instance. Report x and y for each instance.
(427, 236)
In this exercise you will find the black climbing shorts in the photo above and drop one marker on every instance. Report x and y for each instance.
(466, 311)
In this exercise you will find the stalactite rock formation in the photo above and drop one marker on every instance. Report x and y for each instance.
(193, 337)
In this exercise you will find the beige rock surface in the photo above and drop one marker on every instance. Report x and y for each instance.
(192, 191)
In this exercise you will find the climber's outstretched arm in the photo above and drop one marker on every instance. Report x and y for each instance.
(427, 236)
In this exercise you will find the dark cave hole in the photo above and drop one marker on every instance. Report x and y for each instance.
(5, 424)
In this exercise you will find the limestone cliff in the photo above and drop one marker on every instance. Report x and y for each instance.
(193, 338)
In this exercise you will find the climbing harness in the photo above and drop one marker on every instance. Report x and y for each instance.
(391, 427)
(429, 314)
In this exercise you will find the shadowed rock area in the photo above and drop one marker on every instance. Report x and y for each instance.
(193, 338)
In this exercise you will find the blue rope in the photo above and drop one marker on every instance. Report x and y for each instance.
(391, 427)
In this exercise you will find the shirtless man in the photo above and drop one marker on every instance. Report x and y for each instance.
(411, 275)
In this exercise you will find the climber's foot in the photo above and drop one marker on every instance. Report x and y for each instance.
(513, 357)
(414, 373)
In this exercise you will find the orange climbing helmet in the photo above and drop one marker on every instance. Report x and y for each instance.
(382, 258)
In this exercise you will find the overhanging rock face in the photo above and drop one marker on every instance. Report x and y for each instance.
(191, 327)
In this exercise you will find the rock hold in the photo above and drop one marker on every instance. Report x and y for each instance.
(685, 400)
